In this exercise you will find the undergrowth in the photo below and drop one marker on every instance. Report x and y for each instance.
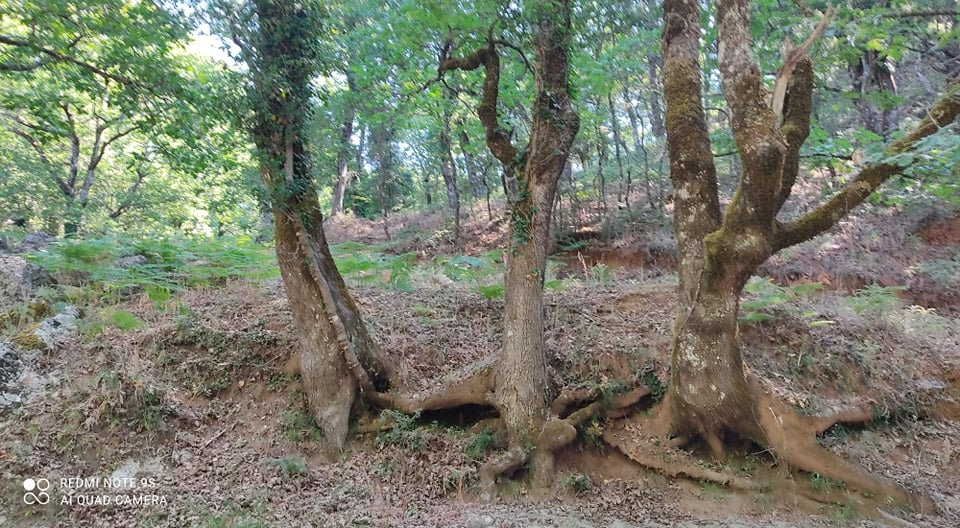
(168, 264)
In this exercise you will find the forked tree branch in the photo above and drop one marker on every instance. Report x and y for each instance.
(943, 112)
(692, 166)
(798, 102)
(755, 126)
(497, 136)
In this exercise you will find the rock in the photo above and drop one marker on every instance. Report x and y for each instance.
(4, 246)
(130, 261)
(11, 368)
(132, 471)
(49, 334)
(18, 381)
(19, 281)
(476, 520)
(36, 241)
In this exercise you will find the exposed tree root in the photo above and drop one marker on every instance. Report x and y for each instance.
(792, 438)
(505, 462)
(655, 452)
(555, 434)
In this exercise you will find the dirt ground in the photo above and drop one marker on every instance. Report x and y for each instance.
(202, 407)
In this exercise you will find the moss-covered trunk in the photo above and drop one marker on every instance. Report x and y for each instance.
(331, 333)
(522, 389)
(711, 394)
(708, 388)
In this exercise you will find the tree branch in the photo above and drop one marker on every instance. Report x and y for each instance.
(692, 166)
(74, 150)
(130, 194)
(753, 123)
(798, 101)
(498, 139)
(47, 162)
(943, 112)
(60, 56)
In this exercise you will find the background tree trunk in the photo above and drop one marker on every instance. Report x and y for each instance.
(344, 175)
(448, 169)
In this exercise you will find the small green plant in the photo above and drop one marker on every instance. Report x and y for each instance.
(712, 490)
(404, 430)
(762, 294)
(824, 484)
(578, 483)
(601, 274)
(945, 272)
(875, 299)
(491, 292)
(124, 320)
(454, 480)
(592, 434)
(292, 466)
(658, 389)
(838, 514)
(299, 426)
(276, 382)
(149, 410)
(480, 444)
(748, 465)
(158, 294)
(110, 379)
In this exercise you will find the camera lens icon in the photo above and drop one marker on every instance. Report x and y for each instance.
(36, 491)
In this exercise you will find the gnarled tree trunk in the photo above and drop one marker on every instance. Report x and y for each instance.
(333, 339)
(711, 396)
(521, 389)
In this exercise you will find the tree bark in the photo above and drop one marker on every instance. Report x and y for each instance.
(328, 322)
(521, 388)
(711, 395)
(448, 169)
(343, 169)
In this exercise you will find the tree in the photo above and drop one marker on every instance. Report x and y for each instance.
(711, 394)
(521, 389)
(102, 100)
(338, 359)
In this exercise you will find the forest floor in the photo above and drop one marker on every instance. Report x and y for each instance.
(201, 405)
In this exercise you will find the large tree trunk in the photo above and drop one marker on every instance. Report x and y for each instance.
(710, 394)
(334, 343)
(521, 388)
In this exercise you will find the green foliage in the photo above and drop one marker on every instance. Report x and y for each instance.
(658, 389)
(578, 483)
(404, 430)
(762, 294)
(945, 272)
(480, 444)
(292, 466)
(276, 382)
(371, 265)
(491, 292)
(125, 320)
(299, 426)
(875, 299)
(601, 274)
(173, 263)
(824, 484)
